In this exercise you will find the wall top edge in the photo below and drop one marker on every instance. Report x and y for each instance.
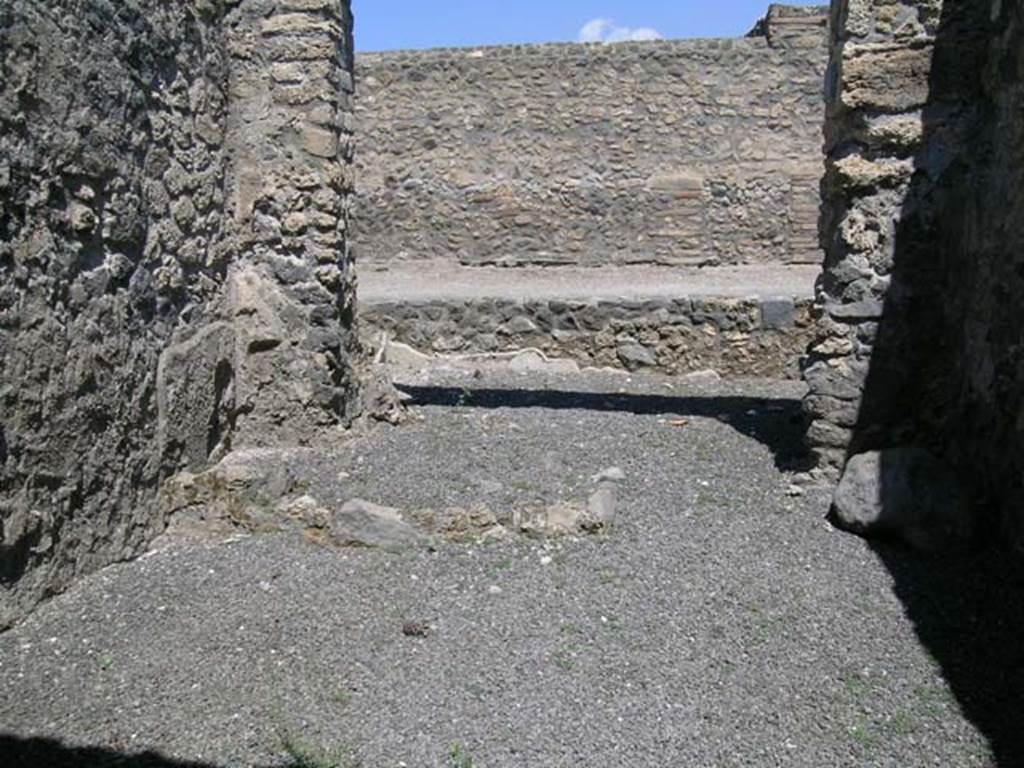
(808, 18)
(561, 49)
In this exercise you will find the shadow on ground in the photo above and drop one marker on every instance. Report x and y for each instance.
(952, 310)
(19, 752)
(968, 611)
(778, 423)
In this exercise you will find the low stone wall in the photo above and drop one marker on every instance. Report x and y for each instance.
(734, 337)
(173, 274)
(671, 152)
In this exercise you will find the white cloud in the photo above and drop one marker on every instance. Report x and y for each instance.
(606, 31)
(594, 30)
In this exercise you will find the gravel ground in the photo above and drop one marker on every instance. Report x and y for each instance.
(424, 280)
(722, 623)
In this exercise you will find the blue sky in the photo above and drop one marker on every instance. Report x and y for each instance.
(392, 24)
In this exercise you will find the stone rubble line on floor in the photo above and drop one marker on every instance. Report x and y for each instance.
(252, 492)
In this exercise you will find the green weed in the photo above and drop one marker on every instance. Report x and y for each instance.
(460, 757)
(306, 755)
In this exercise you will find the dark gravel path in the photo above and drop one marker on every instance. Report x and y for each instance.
(723, 623)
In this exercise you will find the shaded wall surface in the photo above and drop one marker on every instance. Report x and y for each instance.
(675, 152)
(173, 274)
(920, 342)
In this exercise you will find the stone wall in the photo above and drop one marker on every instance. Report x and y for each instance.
(731, 336)
(675, 152)
(919, 343)
(174, 281)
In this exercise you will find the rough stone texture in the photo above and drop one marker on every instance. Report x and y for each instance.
(676, 152)
(739, 320)
(733, 336)
(173, 273)
(919, 342)
(903, 493)
(292, 295)
(362, 523)
(260, 491)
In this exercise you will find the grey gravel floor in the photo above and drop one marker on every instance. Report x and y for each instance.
(440, 279)
(722, 623)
